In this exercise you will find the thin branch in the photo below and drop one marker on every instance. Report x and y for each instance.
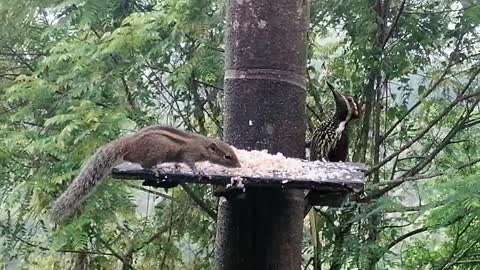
(472, 123)
(154, 192)
(394, 184)
(150, 240)
(199, 201)
(468, 262)
(469, 164)
(199, 104)
(446, 141)
(426, 129)
(405, 236)
(428, 92)
(417, 231)
(20, 58)
(408, 179)
(208, 85)
(414, 106)
(171, 100)
(459, 256)
(208, 100)
(195, 80)
(457, 238)
(128, 93)
(394, 24)
(326, 216)
(428, 12)
(9, 69)
(314, 113)
(419, 166)
(109, 247)
(164, 258)
(85, 251)
(416, 208)
(61, 250)
(6, 154)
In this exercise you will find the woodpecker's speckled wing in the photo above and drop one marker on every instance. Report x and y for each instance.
(323, 141)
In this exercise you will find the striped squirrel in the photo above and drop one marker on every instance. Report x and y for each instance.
(148, 147)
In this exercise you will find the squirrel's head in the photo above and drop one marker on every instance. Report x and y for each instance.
(347, 107)
(222, 154)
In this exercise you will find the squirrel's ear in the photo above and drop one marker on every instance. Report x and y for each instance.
(213, 146)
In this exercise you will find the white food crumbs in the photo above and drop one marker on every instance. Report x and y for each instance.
(260, 164)
(236, 182)
(236, 179)
(262, 24)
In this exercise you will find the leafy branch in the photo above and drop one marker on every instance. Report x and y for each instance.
(432, 123)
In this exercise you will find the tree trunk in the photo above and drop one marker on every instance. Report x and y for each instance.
(264, 109)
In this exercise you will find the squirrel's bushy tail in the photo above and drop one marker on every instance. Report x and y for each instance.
(91, 174)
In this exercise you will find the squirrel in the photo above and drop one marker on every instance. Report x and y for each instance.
(148, 147)
(173, 130)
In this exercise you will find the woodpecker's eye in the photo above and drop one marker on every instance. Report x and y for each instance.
(228, 157)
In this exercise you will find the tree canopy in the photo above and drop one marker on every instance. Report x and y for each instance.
(77, 74)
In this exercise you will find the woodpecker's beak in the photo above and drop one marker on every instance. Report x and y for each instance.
(339, 100)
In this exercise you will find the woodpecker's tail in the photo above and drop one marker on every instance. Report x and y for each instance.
(91, 174)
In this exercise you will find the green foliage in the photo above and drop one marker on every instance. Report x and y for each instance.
(77, 74)
(409, 64)
(88, 72)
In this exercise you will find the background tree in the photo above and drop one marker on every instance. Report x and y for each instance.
(416, 66)
(76, 74)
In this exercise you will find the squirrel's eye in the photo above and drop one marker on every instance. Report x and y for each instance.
(228, 157)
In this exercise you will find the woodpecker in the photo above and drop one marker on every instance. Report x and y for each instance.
(330, 140)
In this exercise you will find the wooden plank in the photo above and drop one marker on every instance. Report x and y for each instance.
(328, 180)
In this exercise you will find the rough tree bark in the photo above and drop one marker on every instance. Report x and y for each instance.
(264, 109)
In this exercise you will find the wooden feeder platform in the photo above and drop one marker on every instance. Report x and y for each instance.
(331, 181)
